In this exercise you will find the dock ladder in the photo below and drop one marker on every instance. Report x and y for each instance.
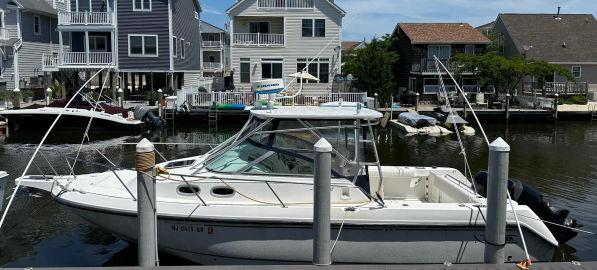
(593, 111)
(212, 116)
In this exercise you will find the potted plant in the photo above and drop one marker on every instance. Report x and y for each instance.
(57, 90)
(27, 96)
(152, 97)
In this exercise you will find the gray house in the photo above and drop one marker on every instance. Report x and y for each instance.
(215, 49)
(146, 44)
(566, 39)
(26, 32)
(273, 39)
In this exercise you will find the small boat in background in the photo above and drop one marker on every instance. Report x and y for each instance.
(449, 119)
(413, 123)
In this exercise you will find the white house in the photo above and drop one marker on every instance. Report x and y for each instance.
(275, 38)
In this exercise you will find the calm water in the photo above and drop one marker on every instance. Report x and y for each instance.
(559, 160)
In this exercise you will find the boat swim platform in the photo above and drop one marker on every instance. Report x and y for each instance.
(509, 266)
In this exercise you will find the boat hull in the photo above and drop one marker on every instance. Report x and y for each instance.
(17, 122)
(212, 242)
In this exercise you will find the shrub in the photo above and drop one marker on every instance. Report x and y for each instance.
(26, 94)
(580, 100)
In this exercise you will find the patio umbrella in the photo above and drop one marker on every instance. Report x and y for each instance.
(304, 76)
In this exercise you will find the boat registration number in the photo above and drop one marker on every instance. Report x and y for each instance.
(182, 227)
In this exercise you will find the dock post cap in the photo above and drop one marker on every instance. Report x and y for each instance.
(416, 94)
(322, 146)
(160, 90)
(144, 146)
(375, 94)
(499, 145)
(508, 94)
(49, 90)
(16, 90)
(120, 90)
(557, 95)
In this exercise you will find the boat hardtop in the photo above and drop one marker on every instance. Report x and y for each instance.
(317, 112)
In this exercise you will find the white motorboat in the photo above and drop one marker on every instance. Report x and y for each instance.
(413, 123)
(250, 200)
(3, 175)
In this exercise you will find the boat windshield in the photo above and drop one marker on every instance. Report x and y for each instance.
(285, 147)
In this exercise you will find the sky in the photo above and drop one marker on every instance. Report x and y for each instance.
(366, 19)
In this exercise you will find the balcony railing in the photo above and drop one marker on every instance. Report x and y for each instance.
(285, 4)
(85, 18)
(212, 65)
(79, 59)
(427, 65)
(259, 39)
(211, 43)
(4, 34)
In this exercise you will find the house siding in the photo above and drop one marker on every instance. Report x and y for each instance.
(185, 26)
(47, 31)
(510, 48)
(154, 22)
(295, 45)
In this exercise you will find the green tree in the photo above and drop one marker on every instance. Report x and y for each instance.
(506, 73)
(372, 66)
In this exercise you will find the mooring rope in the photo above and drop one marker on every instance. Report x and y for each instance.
(43, 140)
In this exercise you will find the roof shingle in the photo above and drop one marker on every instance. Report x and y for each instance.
(572, 38)
(443, 33)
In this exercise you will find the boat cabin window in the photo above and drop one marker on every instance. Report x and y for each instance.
(222, 191)
(285, 147)
(179, 163)
(186, 189)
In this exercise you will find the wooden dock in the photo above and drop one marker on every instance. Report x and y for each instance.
(509, 266)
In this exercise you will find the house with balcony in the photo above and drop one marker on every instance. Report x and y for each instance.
(418, 43)
(27, 32)
(275, 38)
(215, 49)
(145, 44)
(564, 39)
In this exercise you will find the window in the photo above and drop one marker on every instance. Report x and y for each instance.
(182, 49)
(143, 45)
(141, 5)
(313, 28)
(319, 68)
(441, 51)
(259, 27)
(212, 59)
(245, 72)
(36, 25)
(1, 18)
(271, 69)
(430, 86)
(174, 47)
(576, 71)
(98, 44)
(469, 48)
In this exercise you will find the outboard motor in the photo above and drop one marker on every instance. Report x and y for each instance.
(146, 115)
(527, 195)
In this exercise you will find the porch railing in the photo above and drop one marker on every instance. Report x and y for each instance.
(560, 88)
(427, 65)
(212, 65)
(211, 43)
(4, 34)
(85, 18)
(194, 98)
(258, 39)
(77, 59)
(285, 4)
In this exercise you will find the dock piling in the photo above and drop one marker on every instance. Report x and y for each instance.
(16, 98)
(497, 186)
(507, 106)
(321, 207)
(555, 107)
(160, 99)
(120, 97)
(417, 102)
(146, 204)
(48, 96)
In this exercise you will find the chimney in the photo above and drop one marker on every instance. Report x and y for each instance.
(557, 17)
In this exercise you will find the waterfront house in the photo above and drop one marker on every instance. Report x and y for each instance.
(146, 44)
(416, 45)
(349, 46)
(215, 49)
(26, 32)
(275, 38)
(566, 39)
